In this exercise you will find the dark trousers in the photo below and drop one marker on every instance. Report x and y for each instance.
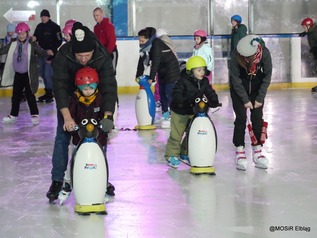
(166, 90)
(241, 119)
(20, 83)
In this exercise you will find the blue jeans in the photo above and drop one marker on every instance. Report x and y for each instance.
(46, 73)
(60, 152)
(166, 90)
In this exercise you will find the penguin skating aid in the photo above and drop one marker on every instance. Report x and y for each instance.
(201, 140)
(145, 106)
(89, 171)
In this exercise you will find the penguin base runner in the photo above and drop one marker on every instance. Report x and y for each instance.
(88, 209)
(202, 170)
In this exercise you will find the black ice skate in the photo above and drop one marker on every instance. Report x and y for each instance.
(54, 190)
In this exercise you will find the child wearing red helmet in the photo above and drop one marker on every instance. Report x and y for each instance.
(86, 104)
(21, 71)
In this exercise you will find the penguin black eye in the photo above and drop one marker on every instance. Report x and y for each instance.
(93, 121)
(84, 122)
(205, 100)
(197, 100)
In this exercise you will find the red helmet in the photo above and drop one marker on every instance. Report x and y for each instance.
(22, 27)
(200, 33)
(67, 29)
(308, 22)
(70, 22)
(86, 76)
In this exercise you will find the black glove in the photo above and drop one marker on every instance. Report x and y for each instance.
(304, 33)
(107, 124)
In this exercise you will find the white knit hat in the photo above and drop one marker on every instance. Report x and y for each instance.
(248, 45)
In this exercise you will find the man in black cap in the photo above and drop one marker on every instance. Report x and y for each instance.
(48, 35)
(83, 50)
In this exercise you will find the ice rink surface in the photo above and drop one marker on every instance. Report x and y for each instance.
(156, 201)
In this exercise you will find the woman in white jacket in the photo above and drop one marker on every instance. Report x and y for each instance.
(203, 49)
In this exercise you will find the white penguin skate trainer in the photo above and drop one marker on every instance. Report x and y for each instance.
(241, 160)
(259, 160)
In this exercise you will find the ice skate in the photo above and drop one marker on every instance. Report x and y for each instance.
(184, 159)
(109, 196)
(64, 193)
(259, 160)
(158, 106)
(166, 122)
(35, 120)
(54, 190)
(47, 97)
(241, 160)
(173, 162)
(9, 119)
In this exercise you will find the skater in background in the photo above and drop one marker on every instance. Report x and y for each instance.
(203, 49)
(21, 71)
(250, 77)
(49, 37)
(164, 63)
(310, 30)
(83, 50)
(86, 103)
(163, 35)
(238, 31)
(10, 29)
(192, 83)
(67, 31)
(105, 32)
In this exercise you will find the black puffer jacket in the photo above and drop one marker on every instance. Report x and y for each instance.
(185, 91)
(65, 67)
(164, 62)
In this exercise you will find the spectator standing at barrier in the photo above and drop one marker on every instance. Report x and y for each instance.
(10, 28)
(105, 32)
(49, 37)
(238, 31)
(311, 32)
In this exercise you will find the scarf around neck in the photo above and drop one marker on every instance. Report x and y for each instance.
(86, 100)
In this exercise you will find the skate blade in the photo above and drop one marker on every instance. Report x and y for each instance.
(261, 166)
(241, 167)
(185, 162)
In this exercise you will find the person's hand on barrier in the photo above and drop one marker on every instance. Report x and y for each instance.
(302, 34)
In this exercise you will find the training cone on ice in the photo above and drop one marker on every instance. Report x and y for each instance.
(89, 171)
(145, 106)
(202, 139)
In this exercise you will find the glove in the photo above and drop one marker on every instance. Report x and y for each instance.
(107, 124)
(302, 34)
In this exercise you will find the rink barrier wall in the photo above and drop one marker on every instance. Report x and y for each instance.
(129, 53)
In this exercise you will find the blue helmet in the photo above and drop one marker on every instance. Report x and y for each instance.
(237, 18)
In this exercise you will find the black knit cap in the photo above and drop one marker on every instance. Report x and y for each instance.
(45, 13)
(82, 39)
